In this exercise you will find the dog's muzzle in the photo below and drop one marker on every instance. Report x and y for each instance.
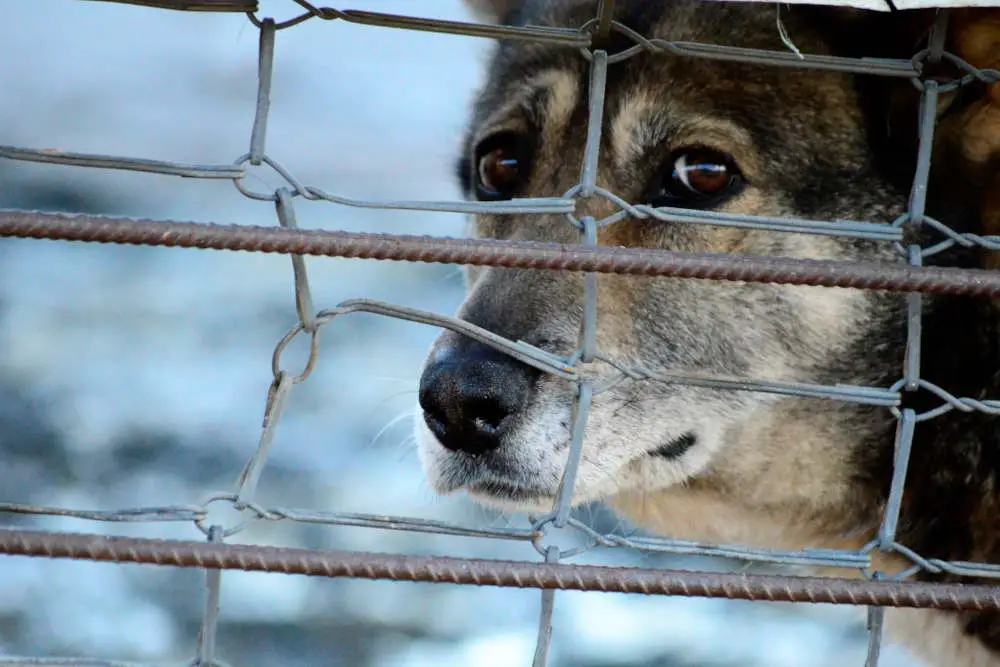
(471, 396)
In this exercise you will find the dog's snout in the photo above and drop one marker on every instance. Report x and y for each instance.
(471, 395)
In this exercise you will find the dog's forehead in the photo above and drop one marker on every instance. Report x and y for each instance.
(536, 77)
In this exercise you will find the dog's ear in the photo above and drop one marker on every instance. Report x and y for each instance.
(492, 11)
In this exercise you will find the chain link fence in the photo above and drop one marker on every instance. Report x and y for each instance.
(215, 556)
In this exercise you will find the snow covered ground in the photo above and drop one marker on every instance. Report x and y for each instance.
(137, 376)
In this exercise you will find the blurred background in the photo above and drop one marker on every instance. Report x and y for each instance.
(137, 376)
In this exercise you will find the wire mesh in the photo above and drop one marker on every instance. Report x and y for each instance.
(215, 556)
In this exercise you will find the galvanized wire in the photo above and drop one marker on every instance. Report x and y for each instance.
(252, 512)
(24, 661)
(241, 6)
(215, 556)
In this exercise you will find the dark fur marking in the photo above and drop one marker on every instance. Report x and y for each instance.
(675, 448)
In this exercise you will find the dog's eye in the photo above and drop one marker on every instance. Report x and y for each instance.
(693, 178)
(501, 166)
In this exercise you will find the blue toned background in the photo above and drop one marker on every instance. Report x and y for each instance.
(136, 376)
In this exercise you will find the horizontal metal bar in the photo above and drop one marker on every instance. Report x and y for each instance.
(872, 66)
(848, 393)
(564, 36)
(18, 661)
(502, 573)
(392, 523)
(131, 515)
(52, 156)
(521, 206)
(198, 513)
(874, 231)
(193, 5)
(510, 254)
(812, 558)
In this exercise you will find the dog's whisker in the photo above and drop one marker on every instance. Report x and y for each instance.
(407, 413)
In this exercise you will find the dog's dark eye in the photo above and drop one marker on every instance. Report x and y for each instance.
(501, 163)
(695, 178)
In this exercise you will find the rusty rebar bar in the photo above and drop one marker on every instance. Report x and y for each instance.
(489, 252)
(502, 573)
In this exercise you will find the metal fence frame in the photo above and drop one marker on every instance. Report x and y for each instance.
(214, 555)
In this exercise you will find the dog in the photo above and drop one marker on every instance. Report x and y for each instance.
(707, 464)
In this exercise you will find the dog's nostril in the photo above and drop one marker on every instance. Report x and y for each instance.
(469, 399)
(489, 414)
(435, 423)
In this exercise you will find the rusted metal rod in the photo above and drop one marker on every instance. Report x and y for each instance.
(508, 574)
(488, 252)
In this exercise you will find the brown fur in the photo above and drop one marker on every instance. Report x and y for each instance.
(740, 467)
(975, 34)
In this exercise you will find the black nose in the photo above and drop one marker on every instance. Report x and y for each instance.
(471, 394)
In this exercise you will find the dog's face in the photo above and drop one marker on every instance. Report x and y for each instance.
(680, 132)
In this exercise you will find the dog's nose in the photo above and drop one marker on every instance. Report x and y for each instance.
(470, 395)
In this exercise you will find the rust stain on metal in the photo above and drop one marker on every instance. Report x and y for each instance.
(488, 252)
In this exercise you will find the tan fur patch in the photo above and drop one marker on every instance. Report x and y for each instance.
(936, 637)
(563, 96)
(630, 119)
(779, 483)
(976, 36)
